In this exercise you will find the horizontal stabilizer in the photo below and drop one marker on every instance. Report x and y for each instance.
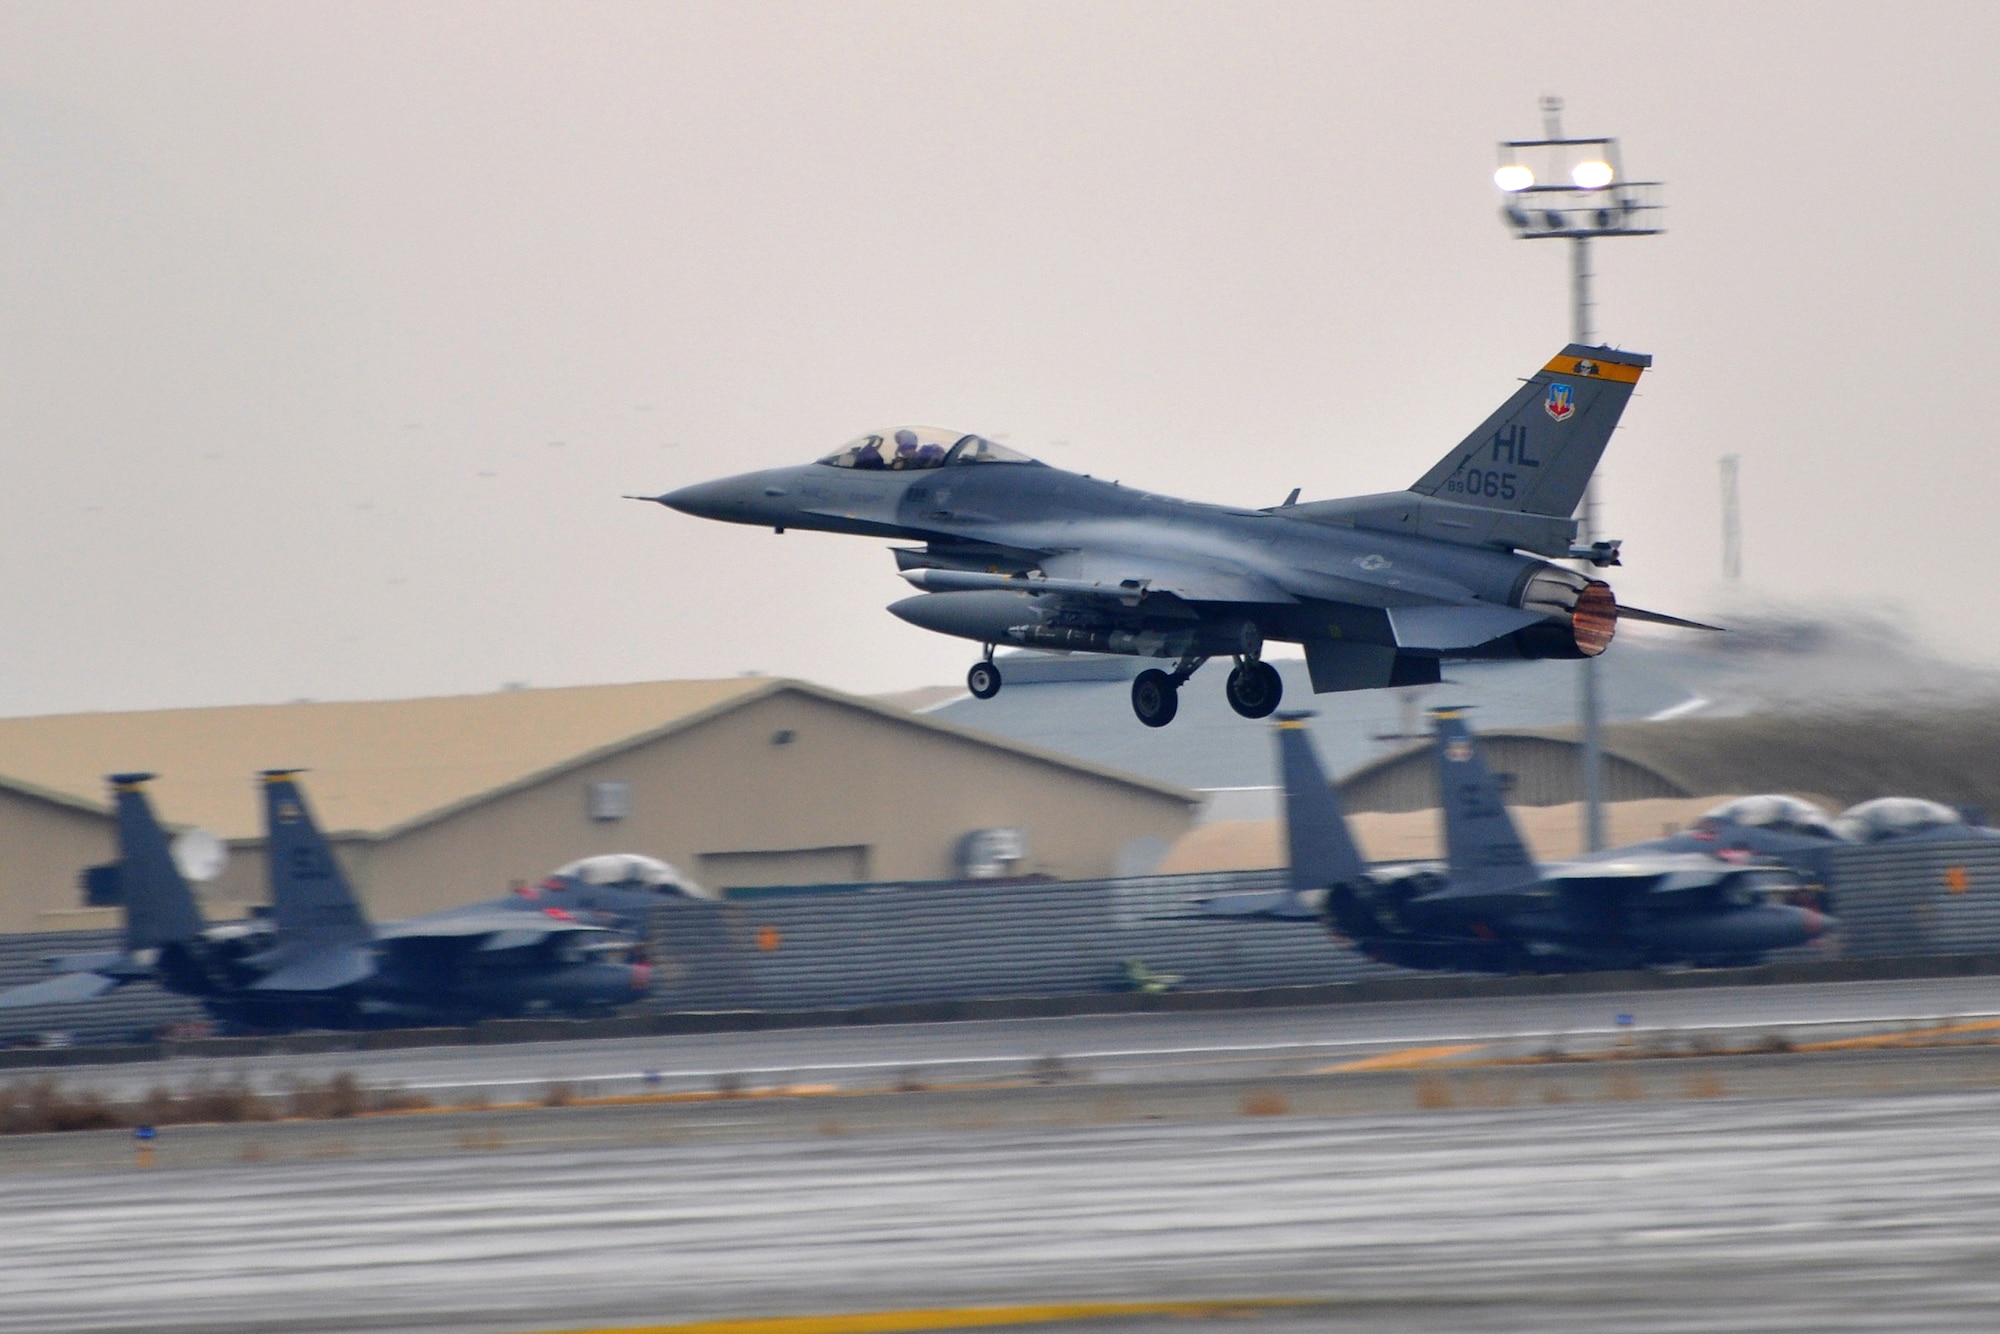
(1281, 905)
(101, 961)
(1444, 628)
(63, 990)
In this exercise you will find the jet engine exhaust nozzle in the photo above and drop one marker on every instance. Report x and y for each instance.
(1594, 619)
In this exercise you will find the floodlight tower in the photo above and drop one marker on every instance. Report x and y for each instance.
(1732, 522)
(1576, 190)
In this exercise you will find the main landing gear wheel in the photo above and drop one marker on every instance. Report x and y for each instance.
(983, 680)
(1254, 688)
(1156, 697)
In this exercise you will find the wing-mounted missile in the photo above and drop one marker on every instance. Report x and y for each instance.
(1599, 554)
(1129, 592)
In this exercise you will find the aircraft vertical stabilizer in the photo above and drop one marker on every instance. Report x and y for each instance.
(1483, 849)
(312, 903)
(1535, 455)
(1322, 851)
(159, 908)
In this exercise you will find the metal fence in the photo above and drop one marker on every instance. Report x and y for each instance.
(856, 946)
(1914, 898)
(866, 945)
(945, 942)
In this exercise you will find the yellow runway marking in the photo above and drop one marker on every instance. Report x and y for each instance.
(1909, 1037)
(965, 1317)
(1409, 1058)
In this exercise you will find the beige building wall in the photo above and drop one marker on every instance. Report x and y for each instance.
(44, 846)
(791, 787)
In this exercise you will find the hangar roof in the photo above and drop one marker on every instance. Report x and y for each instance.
(380, 766)
(1948, 754)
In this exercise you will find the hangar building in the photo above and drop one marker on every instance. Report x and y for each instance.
(1945, 753)
(442, 801)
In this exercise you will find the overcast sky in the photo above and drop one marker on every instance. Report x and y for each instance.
(331, 334)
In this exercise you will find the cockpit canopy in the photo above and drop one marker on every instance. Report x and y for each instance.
(631, 870)
(1895, 817)
(1778, 813)
(910, 448)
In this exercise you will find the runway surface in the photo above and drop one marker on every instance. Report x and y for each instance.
(1779, 1214)
(1105, 1048)
(1319, 1155)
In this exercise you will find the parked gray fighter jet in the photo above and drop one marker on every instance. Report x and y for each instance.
(316, 962)
(1378, 589)
(1622, 908)
(1489, 908)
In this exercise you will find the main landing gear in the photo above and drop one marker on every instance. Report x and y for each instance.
(1254, 689)
(1156, 697)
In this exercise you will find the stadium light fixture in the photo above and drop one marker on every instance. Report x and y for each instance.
(1576, 189)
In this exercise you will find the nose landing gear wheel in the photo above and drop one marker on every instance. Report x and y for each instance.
(1254, 689)
(983, 680)
(1156, 698)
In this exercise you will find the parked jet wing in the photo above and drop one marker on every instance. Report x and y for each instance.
(1676, 872)
(59, 990)
(322, 970)
(519, 927)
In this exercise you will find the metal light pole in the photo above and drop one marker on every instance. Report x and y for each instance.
(1732, 523)
(1575, 189)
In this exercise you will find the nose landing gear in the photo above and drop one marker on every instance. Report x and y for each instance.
(984, 678)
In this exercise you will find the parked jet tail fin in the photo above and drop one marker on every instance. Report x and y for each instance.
(1535, 455)
(1482, 847)
(311, 901)
(159, 908)
(1322, 851)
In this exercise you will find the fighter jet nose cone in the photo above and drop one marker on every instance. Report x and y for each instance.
(704, 500)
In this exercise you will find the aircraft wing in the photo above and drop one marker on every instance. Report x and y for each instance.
(322, 970)
(1206, 579)
(506, 928)
(1673, 873)
(60, 990)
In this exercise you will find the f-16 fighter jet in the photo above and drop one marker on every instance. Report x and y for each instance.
(1378, 589)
